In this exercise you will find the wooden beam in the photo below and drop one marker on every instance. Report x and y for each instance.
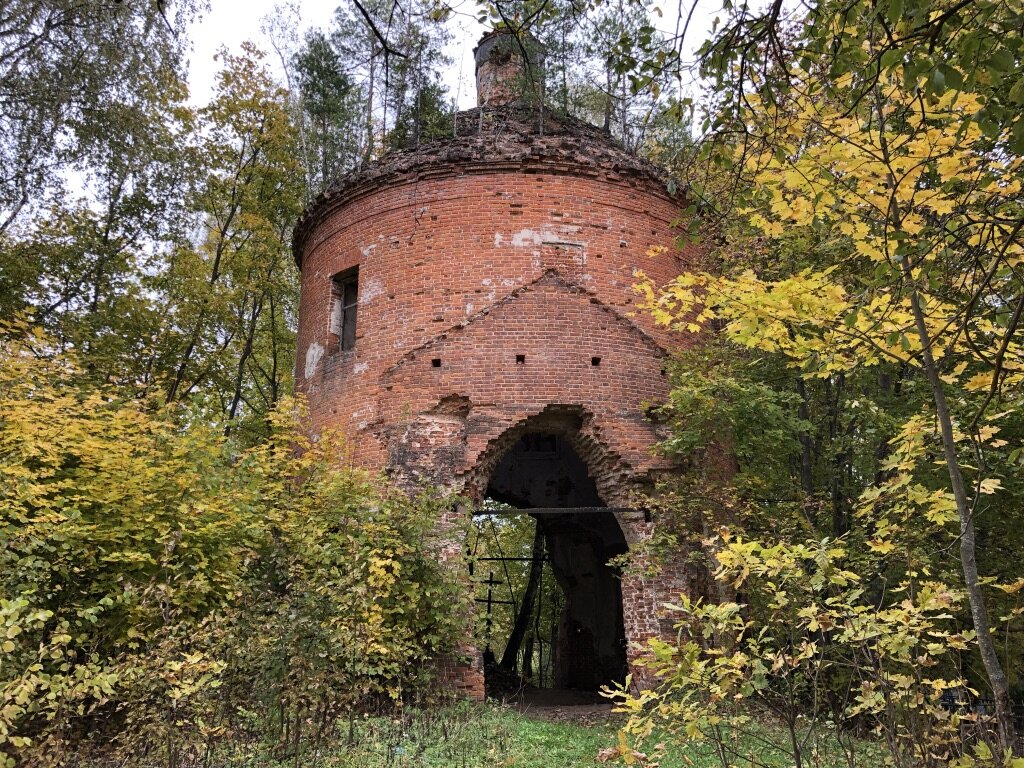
(560, 511)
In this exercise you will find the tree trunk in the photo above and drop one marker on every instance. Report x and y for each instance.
(368, 155)
(528, 658)
(243, 358)
(968, 556)
(806, 456)
(508, 658)
(215, 271)
(840, 458)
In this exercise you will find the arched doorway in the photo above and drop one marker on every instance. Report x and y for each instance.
(566, 632)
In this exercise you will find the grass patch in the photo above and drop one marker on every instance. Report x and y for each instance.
(488, 736)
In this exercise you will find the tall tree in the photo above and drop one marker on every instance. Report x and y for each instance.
(67, 71)
(329, 103)
(83, 268)
(924, 190)
(231, 299)
(395, 56)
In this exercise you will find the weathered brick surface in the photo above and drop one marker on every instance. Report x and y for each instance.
(500, 74)
(494, 270)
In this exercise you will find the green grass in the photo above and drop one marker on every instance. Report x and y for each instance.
(476, 736)
(473, 737)
(467, 735)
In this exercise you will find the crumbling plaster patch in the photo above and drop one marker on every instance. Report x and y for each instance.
(370, 290)
(314, 354)
(525, 238)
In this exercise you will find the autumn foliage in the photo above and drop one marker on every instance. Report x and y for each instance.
(866, 297)
(159, 584)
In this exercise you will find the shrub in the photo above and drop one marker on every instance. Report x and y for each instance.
(807, 646)
(161, 588)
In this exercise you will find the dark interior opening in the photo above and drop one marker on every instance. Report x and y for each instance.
(543, 470)
(566, 630)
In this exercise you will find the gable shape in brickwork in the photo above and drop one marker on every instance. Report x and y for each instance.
(551, 278)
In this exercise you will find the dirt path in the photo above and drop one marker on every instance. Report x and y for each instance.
(559, 706)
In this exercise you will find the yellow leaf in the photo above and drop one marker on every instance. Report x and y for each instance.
(990, 485)
(1013, 588)
(881, 546)
(624, 750)
(981, 749)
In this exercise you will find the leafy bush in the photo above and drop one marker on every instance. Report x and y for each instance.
(807, 645)
(161, 588)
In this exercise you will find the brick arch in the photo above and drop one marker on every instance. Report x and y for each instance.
(615, 480)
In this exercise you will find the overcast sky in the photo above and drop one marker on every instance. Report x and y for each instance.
(231, 22)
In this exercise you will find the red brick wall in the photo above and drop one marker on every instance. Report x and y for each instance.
(434, 255)
(474, 267)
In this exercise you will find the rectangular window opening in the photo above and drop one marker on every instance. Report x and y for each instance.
(344, 303)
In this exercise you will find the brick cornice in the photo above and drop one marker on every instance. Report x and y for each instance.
(505, 140)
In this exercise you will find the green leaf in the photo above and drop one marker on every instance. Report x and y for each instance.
(1016, 95)
(891, 58)
(1001, 60)
(953, 78)
(895, 12)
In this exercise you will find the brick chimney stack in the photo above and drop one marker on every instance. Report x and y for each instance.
(501, 77)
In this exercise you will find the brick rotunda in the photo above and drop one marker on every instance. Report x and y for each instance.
(466, 318)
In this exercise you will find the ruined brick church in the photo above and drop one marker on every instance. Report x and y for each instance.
(467, 319)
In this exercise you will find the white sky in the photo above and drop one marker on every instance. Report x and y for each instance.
(231, 22)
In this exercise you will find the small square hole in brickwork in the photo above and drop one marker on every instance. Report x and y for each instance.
(520, 359)
(595, 361)
(436, 362)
